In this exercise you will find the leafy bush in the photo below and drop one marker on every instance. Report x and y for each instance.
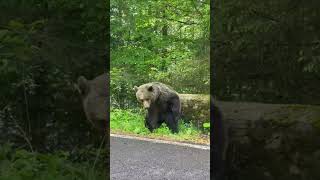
(206, 127)
(132, 121)
(188, 76)
(127, 120)
(121, 89)
(148, 44)
(45, 46)
(41, 57)
(19, 164)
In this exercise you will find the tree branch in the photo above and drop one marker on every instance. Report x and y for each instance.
(179, 21)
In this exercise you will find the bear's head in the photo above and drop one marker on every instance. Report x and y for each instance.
(147, 94)
(94, 95)
(83, 86)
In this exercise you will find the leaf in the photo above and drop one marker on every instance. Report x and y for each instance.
(206, 125)
(3, 33)
(16, 25)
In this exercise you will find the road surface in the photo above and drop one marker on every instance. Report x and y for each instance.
(133, 159)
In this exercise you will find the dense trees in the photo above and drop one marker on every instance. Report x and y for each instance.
(165, 41)
(45, 46)
(267, 51)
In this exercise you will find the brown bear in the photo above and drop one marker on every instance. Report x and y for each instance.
(163, 105)
(94, 94)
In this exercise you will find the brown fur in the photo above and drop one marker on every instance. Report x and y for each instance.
(163, 105)
(94, 94)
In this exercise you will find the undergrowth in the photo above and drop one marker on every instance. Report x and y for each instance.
(19, 164)
(132, 122)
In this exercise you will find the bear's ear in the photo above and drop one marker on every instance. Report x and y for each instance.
(135, 88)
(150, 88)
(83, 86)
(76, 87)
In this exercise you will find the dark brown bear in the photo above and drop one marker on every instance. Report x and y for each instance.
(94, 94)
(162, 103)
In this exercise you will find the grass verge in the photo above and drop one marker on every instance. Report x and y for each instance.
(132, 123)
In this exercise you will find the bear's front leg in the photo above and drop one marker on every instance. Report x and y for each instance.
(173, 114)
(147, 124)
(171, 122)
(152, 119)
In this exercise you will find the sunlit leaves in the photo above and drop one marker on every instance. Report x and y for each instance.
(156, 41)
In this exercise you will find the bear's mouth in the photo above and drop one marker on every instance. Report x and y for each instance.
(146, 104)
(146, 107)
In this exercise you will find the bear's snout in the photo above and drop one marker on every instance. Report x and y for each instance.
(146, 104)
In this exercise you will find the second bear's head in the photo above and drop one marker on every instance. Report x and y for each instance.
(147, 94)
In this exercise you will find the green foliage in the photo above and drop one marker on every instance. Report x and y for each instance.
(121, 88)
(267, 51)
(188, 76)
(18, 164)
(128, 121)
(166, 41)
(206, 125)
(45, 46)
(132, 121)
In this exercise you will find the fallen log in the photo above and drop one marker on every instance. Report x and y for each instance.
(195, 108)
(264, 138)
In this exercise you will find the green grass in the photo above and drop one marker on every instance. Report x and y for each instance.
(131, 122)
(19, 164)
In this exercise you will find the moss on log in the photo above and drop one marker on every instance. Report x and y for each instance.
(195, 107)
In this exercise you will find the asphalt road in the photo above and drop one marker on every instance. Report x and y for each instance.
(142, 160)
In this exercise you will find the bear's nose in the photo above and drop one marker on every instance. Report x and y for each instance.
(146, 105)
